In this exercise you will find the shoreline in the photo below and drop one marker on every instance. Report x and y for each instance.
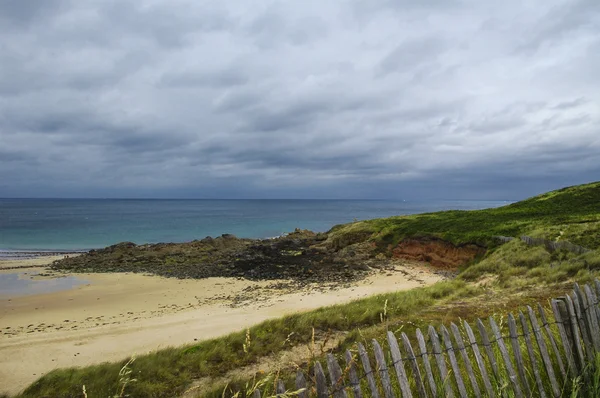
(43, 255)
(42, 262)
(116, 315)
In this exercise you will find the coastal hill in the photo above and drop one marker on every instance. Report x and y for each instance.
(491, 268)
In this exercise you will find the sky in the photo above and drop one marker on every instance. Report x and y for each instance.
(392, 99)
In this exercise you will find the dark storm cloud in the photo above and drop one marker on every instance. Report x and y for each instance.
(342, 98)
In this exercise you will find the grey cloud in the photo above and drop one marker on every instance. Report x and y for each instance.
(191, 79)
(343, 98)
(410, 54)
(563, 21)
(571, 104)
(274, 27)
(19, 14)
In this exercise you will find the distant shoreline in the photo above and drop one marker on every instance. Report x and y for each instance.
(7, 254)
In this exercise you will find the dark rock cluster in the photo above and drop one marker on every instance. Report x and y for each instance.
(299, 256)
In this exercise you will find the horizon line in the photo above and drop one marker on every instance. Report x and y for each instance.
(263, 199)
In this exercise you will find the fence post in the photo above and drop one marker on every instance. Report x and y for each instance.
(546, 326)
(479, 360)
(594, 344)
(336, 377)
(485, 340)
(364, 358)
(301, 385)
(594, 301)
(453, 363)
(532, 358)
(514, 341)
(588, 300)
(321, 381)
(353, 374)
(543, 352)
(383, 370)
(426, 364)
(441, 363)
(564, 329)
(398, 365)
(575, 334)
(280, 388)
(460, 345)
(412, 359)
(508, 364)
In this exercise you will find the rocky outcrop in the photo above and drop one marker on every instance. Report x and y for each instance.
(437, 252)
(295, 256)
(301, 256)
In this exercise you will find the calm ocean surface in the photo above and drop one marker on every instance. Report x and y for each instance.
(82, 224)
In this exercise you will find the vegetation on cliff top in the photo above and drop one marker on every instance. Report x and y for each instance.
(571, 214)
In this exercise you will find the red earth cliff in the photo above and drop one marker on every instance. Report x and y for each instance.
(438, 253)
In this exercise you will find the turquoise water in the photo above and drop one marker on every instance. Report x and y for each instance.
(80, 224)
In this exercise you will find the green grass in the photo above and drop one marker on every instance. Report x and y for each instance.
(571, 214)
(569, 208)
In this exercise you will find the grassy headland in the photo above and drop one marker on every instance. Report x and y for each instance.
(498, 278)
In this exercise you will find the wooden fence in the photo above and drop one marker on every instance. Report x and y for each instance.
(548, 244)
(533, 354)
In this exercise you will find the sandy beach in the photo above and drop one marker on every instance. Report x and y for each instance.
(109, 317)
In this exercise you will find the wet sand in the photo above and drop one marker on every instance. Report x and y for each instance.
(117, 315)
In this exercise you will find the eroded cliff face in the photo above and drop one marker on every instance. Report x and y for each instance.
(438, 253)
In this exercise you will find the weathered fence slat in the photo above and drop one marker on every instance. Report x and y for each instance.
(256, 393)
(512, 375)
(353, 375)
(337, 379)
(398, 365)
(582, 322)
(383, 370)
(426, 364)
(280, 388)
(562, 331)
(485, 340)
(587, 319)
(321, 381)
(364, 358)
(514, 341)
(594, 302)
(412, 360)
(479, 360)
(593, 320)
(532, 358)
(460, 345)
(544, 352)
(575, 332)
(441, 363)
(301, 385)
(579, 317)
(453, 363)
(546, 326)
(596, 295)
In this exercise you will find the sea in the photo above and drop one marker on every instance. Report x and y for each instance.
(29, 227)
